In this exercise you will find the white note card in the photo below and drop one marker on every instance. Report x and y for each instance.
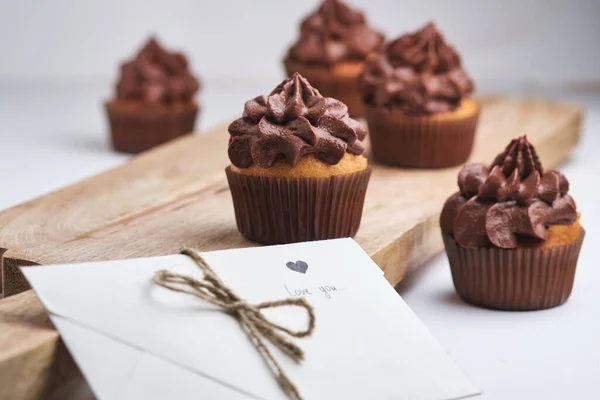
(135, 340)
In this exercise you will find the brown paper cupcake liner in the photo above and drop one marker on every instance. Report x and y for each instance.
(419, 142)
(341, 87)
(272, 210)
(514, 279)
(133, 130)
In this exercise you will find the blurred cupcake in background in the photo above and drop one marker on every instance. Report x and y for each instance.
(417, 102)
(334, 42)
(154, 100)
(512, 232)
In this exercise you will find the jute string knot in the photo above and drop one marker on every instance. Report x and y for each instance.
(212, 289)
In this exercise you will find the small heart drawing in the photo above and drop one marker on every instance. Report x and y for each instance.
(298, 266)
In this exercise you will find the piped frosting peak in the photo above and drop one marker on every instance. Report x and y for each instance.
(294, 120)
(519, 155)
(513, 199)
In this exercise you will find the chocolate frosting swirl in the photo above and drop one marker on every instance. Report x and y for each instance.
(510, 202)
(156, 75)
(333, 33)
(292, 121)
(419, 73)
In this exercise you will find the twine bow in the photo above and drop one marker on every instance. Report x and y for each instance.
(254, 323)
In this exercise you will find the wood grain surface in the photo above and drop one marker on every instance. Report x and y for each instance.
(177, 195)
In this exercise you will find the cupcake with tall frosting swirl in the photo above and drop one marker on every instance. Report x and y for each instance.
(417, 102)
(297, 171)
(154, 99)
(512, 232)
(333, 44)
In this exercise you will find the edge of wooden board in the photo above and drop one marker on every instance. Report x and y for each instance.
(31, 232)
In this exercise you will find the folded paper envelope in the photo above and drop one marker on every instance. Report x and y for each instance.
(133, 339)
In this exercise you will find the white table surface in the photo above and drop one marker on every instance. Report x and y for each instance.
(54, 133)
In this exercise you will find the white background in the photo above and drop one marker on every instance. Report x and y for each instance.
(542, 41)
(58, 61)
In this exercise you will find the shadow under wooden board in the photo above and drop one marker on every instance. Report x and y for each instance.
(177, 195)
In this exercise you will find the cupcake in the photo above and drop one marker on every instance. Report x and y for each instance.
(512, 233)
(154, 100)
(417, 104)
(331, 50)
(297, 173)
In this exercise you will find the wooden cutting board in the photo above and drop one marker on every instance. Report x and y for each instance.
(177, 195)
